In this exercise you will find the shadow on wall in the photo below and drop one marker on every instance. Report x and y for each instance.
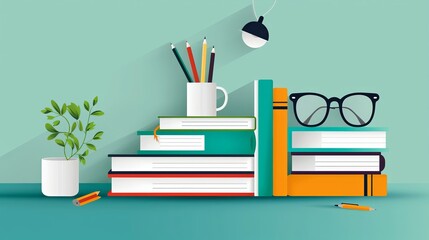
(155, 85)
(148, 87)
(240, 102)
(225, 35)
(97, 171)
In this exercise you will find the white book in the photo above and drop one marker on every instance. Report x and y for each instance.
(207, 123)
(337, 162)
(339, 139)
(194, 163)
(181, 185)
(172, 143)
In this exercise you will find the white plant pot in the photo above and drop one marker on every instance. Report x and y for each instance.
(60, 177)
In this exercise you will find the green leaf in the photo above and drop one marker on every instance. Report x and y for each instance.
(52, 136)
(90, 126)
(82, 159)
(91, 146)
(75, 140)
(74, 110)
(80, 126)
(50, 117)
(56, 107)
(46, 110)
(63, 109)
(70, 143)
(86, 105)
(97, 113)
(73, 126)
(60, 142)
(95, 101)
(85, 153)
(50, 128)
(55, 123)
(98, 135)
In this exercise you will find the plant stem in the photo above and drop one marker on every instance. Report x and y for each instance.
(67, 137)
(84, 137)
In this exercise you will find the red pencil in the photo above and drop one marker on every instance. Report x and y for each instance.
(192, 62)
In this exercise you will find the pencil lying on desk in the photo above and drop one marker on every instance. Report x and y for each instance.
(354, 206)
(182, 65)
(203, 61)
(192, 62)
(211, 68)
(88, 198)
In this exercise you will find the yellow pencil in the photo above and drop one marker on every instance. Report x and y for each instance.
(88, 198)
(203, 61)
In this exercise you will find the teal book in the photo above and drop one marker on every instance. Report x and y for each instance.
(197, 142)
(337, 139)
(263, 110)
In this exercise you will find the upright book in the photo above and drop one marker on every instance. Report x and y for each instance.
(280, 134)
(263, 111)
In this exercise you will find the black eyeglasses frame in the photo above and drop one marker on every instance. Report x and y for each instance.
(374, 97)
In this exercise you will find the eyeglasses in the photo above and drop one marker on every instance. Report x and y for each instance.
(312, 109)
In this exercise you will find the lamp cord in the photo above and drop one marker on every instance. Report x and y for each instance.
(254, 11)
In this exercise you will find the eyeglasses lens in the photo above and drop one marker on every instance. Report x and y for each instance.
(357, 109)
(311, 109)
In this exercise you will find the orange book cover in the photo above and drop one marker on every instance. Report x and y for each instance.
(337, 185)
(280, 154)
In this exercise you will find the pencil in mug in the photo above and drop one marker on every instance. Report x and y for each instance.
(182, 65)
(88, 198)
(211, 68)
(203, 61)
(192, 62)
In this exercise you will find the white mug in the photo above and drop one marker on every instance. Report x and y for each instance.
(201, 99)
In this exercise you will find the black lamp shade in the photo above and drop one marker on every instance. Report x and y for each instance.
(257, 28)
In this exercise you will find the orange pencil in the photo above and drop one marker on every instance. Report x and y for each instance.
(192, 62)
(354, 206)
(88, 198)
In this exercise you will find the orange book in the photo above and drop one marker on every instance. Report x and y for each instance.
(337, 185)
(280, 154)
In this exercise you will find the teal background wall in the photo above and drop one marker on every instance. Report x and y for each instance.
(119, 50)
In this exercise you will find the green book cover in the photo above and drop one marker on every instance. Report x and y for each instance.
(264, 135)
(221, 142)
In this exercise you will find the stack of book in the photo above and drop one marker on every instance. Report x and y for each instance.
(203, 156)
(189, 156)
(252, 156)
(337, 162)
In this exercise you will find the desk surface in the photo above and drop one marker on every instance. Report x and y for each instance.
(26, 213)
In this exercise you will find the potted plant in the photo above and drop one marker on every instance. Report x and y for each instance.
(70, 130)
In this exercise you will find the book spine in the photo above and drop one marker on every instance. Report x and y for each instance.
(216, 142)
(337, 185)
(280, 155)
(264, 139)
